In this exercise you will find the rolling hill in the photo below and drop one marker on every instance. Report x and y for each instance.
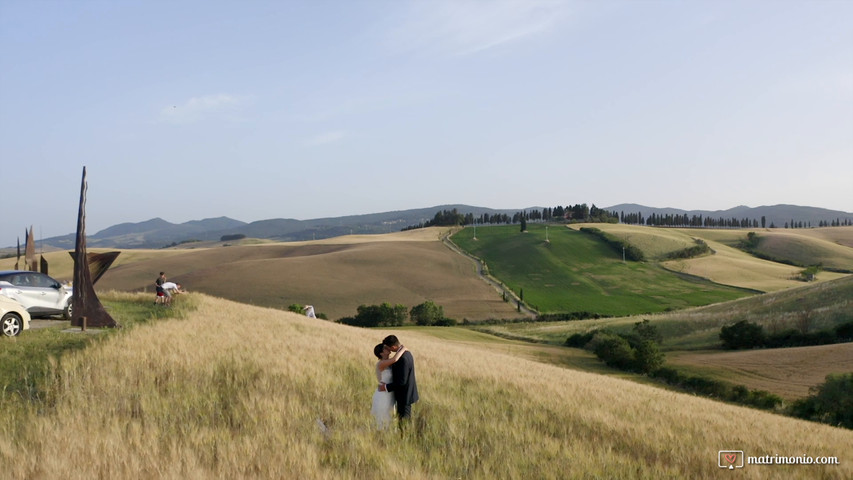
(158, 233)
(560, 270)
(236, 391)
(335, 275)
(729, 265)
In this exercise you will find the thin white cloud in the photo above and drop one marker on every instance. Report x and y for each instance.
(468, 27)
(221, 106)
(325, 138)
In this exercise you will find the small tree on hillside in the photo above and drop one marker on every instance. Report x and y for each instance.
(831, 402)
(427, 313)
(742, 334)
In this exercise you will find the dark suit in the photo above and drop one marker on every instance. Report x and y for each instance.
(403, 385)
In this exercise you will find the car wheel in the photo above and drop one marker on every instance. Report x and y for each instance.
(66, 312)
(12, 324)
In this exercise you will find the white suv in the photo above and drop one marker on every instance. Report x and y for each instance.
(41, 295)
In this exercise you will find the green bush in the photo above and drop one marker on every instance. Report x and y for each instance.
(718, 389)
(844, 332)
(613, 350)
(647, 357)
(701, 248)
(427, 313)
(831, 402)
(635, 352)
(742, 334)
(579, 340)
(762, 399)
(384, 315)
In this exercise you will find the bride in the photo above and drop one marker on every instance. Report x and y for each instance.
(383, 402)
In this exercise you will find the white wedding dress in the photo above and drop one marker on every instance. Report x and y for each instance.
(383, 402)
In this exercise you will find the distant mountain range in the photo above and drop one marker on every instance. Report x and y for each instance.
(158, 233)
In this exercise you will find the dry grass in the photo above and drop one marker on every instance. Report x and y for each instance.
(654, 242)
(806, 250)
(731, 266)
(236, 392)
(837, 235)
(335, 275)
(339, 274)
(788, 372)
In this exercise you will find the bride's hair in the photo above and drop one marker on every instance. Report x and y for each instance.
(377, 350)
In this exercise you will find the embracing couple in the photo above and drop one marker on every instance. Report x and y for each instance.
(396, 376)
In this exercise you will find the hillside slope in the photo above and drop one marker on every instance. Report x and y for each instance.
(729, 265)
(335, 275)
(243, 392)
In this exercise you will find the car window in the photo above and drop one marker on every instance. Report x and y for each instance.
(42, 281)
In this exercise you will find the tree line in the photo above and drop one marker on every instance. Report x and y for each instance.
(580, 213)
(684, 220)
(387, 315)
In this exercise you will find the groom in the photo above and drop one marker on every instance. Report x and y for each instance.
(403, 385)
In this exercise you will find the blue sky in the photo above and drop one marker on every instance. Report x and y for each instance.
(295, 109)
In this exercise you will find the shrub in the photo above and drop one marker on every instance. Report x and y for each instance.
(844, 332)
(445, 322)
(669, 375)
(636, 352)
(579, 340)
(751, 242)
(809, 273)
(700, 248)
(706, 386)
(717, 389)
(613, 350)
(646, 331)
(384, 315)
(762, 399)
(831, 402)
(647, 357)
(742, 334)
(795, 338)
(427, 313)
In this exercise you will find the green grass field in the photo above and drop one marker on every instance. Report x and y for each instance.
(825, 305)
(575, 272)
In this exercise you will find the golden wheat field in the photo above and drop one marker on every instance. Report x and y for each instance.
(789, 372)
(335, 275)
(235, 391)
(807, 250)
(730, 266)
